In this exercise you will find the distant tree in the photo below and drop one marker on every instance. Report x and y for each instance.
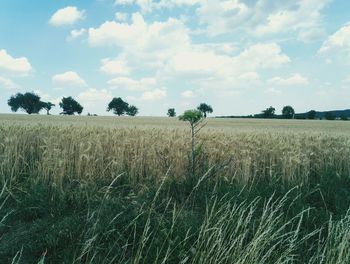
(171, 112)
(28, 102)
(48, 106)
(132, 110)
(344, 117)
(205, 108)
(311, 114)
(329, 116)
(70, 106)
(288, 112)
(300, 116)
(118, 106)
(269, 112)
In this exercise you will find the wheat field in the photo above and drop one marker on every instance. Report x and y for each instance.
(264, 191)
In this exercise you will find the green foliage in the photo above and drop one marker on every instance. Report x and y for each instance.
(329, 116)
(119, 106)
(284, 198)
(171, 112)
(48, 106)
(288, 112)
(70, 106)
(29, 102)
(311, 114)
(176, 221)
(269, 112)
(344, 117)
(192, 116)
(132, 110)
(205, 108)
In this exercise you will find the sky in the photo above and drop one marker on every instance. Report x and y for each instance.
(239, 56)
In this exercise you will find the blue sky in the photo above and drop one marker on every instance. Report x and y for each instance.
(240, 56)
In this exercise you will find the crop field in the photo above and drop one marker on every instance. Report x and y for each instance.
(122, 190)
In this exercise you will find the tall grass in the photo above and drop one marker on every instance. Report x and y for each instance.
(84, 194)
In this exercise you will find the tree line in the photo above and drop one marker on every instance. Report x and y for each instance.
(289, 113)
(31, 103)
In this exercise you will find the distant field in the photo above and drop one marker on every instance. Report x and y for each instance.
(224, 124)
(121, 190)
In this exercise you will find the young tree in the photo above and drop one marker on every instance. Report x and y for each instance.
(288, 112)
(48, 106)
(118, 106)
(194, 117)
(205, 108)
(29, 102)
(70, 106)
(311, 114)
(132, 110)
(171, 112)
(269, 112)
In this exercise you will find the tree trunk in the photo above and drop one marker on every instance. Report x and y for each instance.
(193, 149)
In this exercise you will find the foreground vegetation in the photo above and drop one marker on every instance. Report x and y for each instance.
(94, 190)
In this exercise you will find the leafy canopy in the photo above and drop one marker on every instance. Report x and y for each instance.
(330, 116)
(70, 106)
(205, 108)
(132, 110)
(48, 106)
(119, 106)
(171, 112)
(269, 112)
(288, 112)
(28, 102)
(311, 114)
(192, 116)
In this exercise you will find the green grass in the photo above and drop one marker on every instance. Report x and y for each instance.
(77, 193)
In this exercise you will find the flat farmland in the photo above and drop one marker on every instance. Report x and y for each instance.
(121, 190)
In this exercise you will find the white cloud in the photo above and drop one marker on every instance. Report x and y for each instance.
(8, 84)
(261, 16)
(312, 34)
(338, 42)
(68, 78)
(150, 5)
(187, 94)
(17, 65)
(43, 95)
(257, 16)
(76, 33)
(129, 84)
(209, 70)
(347, 80)
(152, 43)
(272, 90)
(67, 16)
(263, 55)
(166, 49)
(249, 77)
(95, 101)
(223, 48)
(93, 97)
(295, 79)
(153, 95)
(122, 17)
(115, 66)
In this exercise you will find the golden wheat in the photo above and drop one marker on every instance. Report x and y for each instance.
(59, 148)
